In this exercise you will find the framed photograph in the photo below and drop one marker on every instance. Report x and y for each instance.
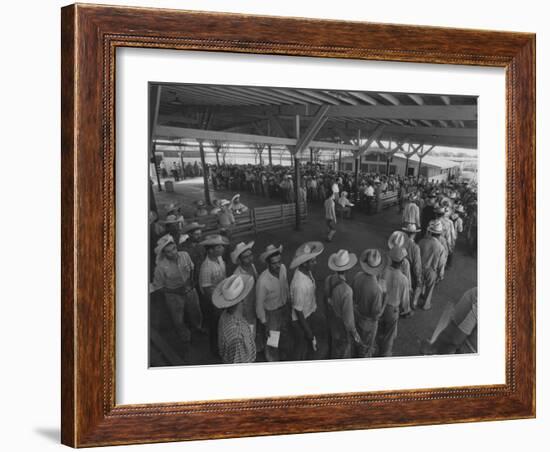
(270, 225)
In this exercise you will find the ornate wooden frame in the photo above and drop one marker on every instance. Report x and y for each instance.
(90, 35)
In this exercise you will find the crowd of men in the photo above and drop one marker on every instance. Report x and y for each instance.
(271, 311)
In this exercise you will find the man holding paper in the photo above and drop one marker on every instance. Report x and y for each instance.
(303, 298)
(272, 308)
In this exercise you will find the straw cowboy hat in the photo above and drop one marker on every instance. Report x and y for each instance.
(193, 227)
(372, 262)
(232, 290)
(397, 239)
(397, 254)
(237, 196)
(214, 239)
(410, 228)
(171, 219)
(172, 206)
(435, 227)
(239, 249)
(224, 202)
(163, 242)
(342, 261)
(270, 250)
(306, 252)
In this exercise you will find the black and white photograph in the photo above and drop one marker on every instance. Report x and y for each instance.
(298, 224)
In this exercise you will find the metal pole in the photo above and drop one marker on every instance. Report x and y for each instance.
(297, 179)
(204, 174)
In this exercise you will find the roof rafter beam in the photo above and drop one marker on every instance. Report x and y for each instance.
(210, 135)
(312, 130)
(376, 133)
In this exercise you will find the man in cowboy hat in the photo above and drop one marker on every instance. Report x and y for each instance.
(399, 239)
(428, 213)
(433, 256)
(243, 257)
(226, 220)
(193, 247)
(397, 295)
(339, 295)
(211, 273)
(415, 261)
(272, 307)
(235, 337)
(200, 209)
(237, 206)
(303, 298)
(173, 226)
(330, 216)
(368, 299)
(411, 212)
(345, 205)
(174, 277)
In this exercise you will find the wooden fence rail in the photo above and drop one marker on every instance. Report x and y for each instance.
(256, 220)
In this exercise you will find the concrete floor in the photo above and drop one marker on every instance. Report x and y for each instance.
(354, 235)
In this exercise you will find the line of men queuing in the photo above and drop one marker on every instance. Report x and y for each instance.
(179, 172)
(251, 312)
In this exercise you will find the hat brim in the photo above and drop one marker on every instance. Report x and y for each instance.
(235, 256)
(374, 271)
(221, 302)
(266, 254)
(221, 241)
(332, 264)
(191, 228)
(302, 258)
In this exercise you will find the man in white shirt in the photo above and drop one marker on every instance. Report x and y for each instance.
(303, 299)
(272, 307)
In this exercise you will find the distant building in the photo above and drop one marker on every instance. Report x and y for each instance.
(433, 168)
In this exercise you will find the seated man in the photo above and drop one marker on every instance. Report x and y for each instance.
(344, 205)
(237, 207)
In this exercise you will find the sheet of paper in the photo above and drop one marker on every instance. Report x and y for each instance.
(273, 339)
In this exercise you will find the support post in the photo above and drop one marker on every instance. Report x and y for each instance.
(297, 179)
(154, 96)
(204, 174)
(269, 154)
(340, 160)
(311, 155)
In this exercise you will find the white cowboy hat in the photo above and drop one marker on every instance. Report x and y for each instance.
(435, 227)
(372, 262)
(172, 206)
(235, 197)
(192, 227)
(224, 202)
(215, 239)
(239, 249)
(183, 238)
(342, 261)
(460, 209)
(397, 254)
(306, 252)
(171, 219)
(397, 239)
(271, 249)
(232, 290)
(163, 242)
(410, 227)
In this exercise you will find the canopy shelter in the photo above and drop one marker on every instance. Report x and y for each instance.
(307, 121)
